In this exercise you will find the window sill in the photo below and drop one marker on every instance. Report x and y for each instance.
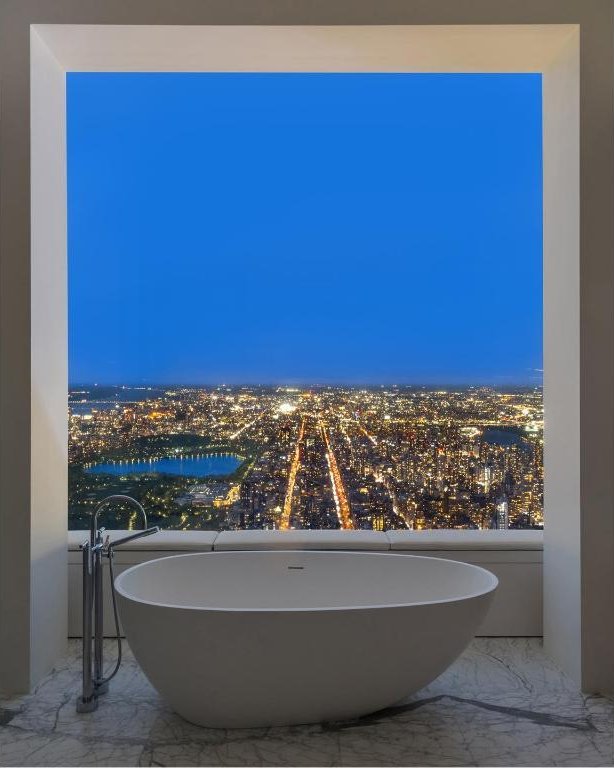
(200, 541)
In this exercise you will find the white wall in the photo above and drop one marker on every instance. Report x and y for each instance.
(49, 308)
(562, 556)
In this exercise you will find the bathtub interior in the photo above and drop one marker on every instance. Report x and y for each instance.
(291, 580)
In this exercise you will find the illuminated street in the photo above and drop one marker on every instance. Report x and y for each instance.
(294, 467)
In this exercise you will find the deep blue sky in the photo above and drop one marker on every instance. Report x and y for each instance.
(304, 228)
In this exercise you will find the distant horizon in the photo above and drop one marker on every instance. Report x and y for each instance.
(304, 385)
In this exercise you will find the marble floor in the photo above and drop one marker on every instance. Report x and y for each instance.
(502, 703)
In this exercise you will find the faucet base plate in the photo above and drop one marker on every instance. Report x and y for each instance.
(87, 705)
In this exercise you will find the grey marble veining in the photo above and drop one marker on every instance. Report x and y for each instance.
(502, 703)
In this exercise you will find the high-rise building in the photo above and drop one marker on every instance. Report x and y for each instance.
(503, 516)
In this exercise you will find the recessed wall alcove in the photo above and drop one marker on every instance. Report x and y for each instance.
(568, 41)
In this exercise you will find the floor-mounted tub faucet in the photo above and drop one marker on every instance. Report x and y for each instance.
(93, 550)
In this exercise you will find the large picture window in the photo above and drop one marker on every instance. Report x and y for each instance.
(306, 300)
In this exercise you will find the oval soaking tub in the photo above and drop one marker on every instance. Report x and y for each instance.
(244, 639)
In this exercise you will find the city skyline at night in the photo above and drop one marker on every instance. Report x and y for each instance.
(306, 300)
(233, 458)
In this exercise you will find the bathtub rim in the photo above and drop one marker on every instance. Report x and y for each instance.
(494, 583)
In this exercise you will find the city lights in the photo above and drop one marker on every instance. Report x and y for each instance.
(334, 457)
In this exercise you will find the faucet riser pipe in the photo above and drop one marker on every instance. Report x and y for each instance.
(87, 702)
(100, 687)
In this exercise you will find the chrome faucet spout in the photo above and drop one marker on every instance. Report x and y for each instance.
(133, 537)
(116, 497)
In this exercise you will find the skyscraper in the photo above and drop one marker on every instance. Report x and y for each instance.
(502, 513)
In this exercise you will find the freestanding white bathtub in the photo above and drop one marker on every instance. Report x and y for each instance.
(242, 639)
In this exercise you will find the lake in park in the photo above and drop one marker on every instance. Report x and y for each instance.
(202, 465)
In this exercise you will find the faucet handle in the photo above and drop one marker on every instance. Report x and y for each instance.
(99, 532)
